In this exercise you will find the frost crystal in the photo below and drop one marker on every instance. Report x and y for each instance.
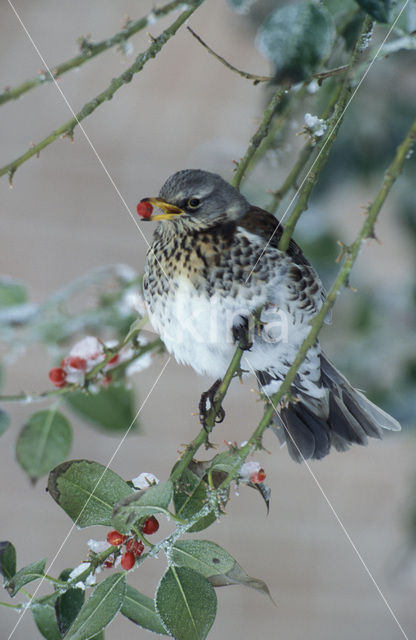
(77, 571)
(88, 348)
(144, 480)
(316, 126)
(151, 18)
(97, 546)
(313, 87)
(132, 302)
(247, 469)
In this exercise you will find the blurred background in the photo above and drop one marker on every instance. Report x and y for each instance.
(63, 218)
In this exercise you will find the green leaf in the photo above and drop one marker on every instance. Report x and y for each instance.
(111, 409)
(156, 499)
(4, 421)
(241, 6)
(29, 573)
(7, 560)
(189, 497)
(237, 575)
(67, 607)
(43, 442)
(44, 616)
(140, 609)
(99, 610)
(87, 491)
(186, 603)
(226, 462)
(203, 556)
(11, 292)
(297, 38)
(377, 9)
(214, 563)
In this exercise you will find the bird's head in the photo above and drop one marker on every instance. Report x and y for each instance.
(196, 194)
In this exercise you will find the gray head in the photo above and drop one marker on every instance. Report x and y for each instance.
(203, 195)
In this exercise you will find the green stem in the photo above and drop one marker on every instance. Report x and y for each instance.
(303, 158)
(89, 51)
(351, 253)
(67, 129)
(12, 606)
(59, 583)
(323, 147)
(258, 137)
(197, 442)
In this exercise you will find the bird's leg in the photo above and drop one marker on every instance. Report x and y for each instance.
(207, 398)
(242, 333)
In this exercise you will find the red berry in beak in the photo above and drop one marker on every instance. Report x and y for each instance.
(144, 209)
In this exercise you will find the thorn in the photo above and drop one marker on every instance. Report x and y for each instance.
(343, 251)
(11, 174)
(349, 286)
(151, 38)
(32, 146)
(69, 134)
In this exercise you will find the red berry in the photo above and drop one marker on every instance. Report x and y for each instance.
(128, 560)
(115, 538)
(58, 377)
(150, 526)
(144, 209)
(114, 359)
(258, 476)
(136, 546)
(109, 563)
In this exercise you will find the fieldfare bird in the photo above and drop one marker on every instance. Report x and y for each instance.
(213, 266)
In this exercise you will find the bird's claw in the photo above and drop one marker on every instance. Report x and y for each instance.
(242, 335)
(206, 403)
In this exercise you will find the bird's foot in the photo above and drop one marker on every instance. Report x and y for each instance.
(206, 403)
(242, 334)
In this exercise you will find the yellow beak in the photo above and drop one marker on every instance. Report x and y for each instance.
(169, 210)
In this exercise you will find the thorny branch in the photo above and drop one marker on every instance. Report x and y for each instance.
(67, 129)
(88, 51)
(323, 147)
(350, 255)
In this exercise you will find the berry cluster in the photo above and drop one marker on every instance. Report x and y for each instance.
(133, 548)
(85, 355)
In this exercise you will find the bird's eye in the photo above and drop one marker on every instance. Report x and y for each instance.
(193, 203)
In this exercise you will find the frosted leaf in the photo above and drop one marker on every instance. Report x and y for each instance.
(79, 569)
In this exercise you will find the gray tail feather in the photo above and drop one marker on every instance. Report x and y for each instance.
(351, 419)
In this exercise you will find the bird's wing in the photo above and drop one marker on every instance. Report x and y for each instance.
(266, 226)
(303, 281)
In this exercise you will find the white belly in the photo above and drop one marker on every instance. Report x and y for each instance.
(197, 330)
